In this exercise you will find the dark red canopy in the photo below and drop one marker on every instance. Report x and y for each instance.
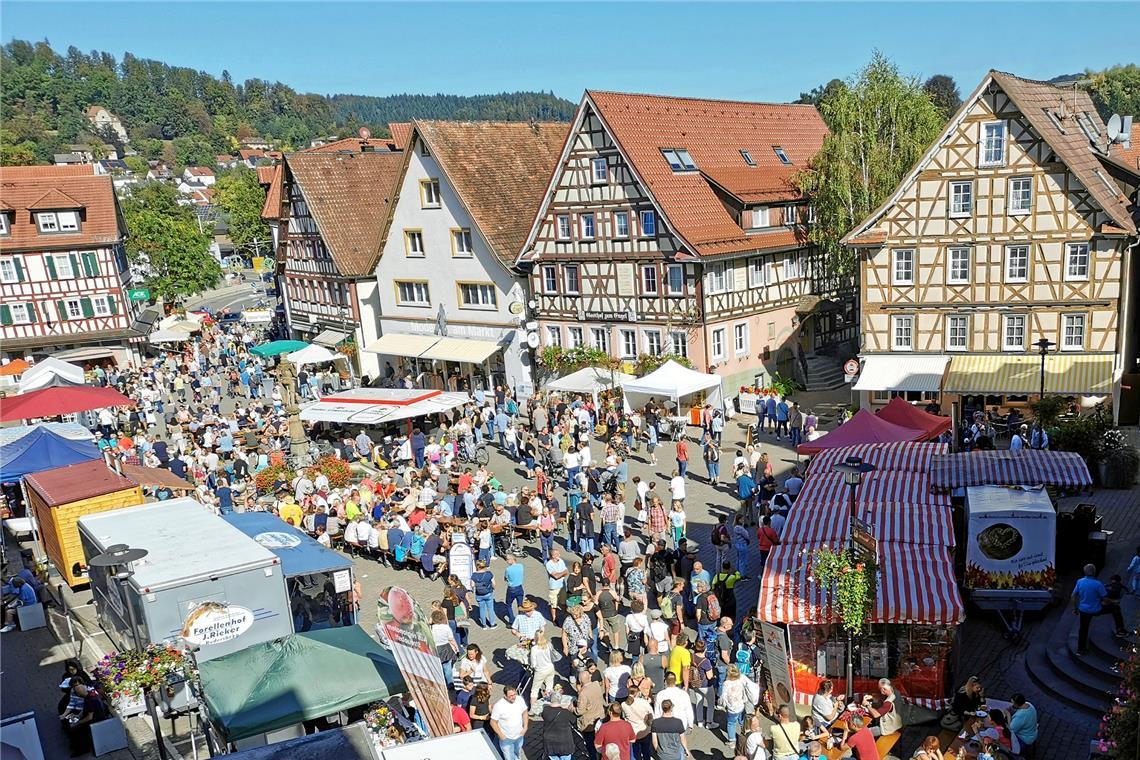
(864, 427)
(50, 402)
(901, 412)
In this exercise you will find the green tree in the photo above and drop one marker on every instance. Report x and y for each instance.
(881, 123)
(14, 152)
(241, 198)
(193, 151)
(943, 90)
(1115, 90)
(816, 95)
(166, 243)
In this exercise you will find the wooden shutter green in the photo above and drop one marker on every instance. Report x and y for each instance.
(19, 269)
(62, 307)
(5, 315)
(75, 270)
(88, 309)
(111, 305)
(32, 316)
(50, 261)
(94, 258)
(86, 264)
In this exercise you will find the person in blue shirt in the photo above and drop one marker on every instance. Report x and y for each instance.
(770, 412)
(513, 576)
(501, 422)
(1088, 602)
(23, 596)
(1023, 721)
(781, 419)
(225, 497)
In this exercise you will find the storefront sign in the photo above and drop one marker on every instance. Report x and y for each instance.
(404, 629)
(214, 622)
(342, 581)
(779, 664)
(606, 316)
(138, 294)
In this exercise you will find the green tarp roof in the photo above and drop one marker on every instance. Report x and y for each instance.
(300, 677)
(278, 347)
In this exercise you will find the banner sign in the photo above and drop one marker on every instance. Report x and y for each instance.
(404, 630)
(779, 664)
(214, 622)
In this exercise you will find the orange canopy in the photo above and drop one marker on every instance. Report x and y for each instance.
(14, 367)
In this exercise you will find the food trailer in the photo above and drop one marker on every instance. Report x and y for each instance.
(203, 582)
(60, 497)
(1011, 536)
(319, 580)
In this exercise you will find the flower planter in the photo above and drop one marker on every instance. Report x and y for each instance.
(128, 704)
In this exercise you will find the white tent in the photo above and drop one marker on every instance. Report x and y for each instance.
(312, 354)
(672, 381)
(168, 336)
(51, 372)
(590, 380)
(373, 406)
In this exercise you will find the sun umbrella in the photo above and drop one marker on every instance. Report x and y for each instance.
(50, 402)
(279, 347)
(14, 367)
(311, 355)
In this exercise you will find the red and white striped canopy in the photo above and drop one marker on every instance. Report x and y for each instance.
(899, 457)
(916, 585)
(922, 524)
(878, 487)
(1027, 467)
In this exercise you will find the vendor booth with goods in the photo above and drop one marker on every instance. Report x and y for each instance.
(905, 536)
(686, 389)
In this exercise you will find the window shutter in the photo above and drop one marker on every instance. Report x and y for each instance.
(32, 313)
(62, 307)
(111, 305)
(50, 261)
(87, 264)
(74, 264)
(88, 310)
(5, 315)
(19, 268)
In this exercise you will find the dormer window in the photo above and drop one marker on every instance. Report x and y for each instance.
(58, 221)
(4, 223)
(748, 159)
(679, 159)
(761, 217)
(780, 154)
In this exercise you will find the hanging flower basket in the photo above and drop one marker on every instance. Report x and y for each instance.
(124, 676)
(851, 586)
(127, 704)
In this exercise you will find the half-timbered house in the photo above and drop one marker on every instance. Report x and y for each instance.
(674, 226)
(1014, 228)
(469, 192)
(334, 210)
(63, 269)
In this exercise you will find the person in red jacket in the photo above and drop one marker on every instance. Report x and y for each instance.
(767, 537)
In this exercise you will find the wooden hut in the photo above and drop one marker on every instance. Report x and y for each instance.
(61, 496)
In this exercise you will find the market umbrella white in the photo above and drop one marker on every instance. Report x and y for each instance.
(672, 381)
(590, 380)
(312, 354)
(168, 336)
(374, 406)
(51, 372)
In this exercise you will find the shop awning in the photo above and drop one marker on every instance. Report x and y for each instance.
(375, 406)
(86, 353)
(902, 373)
(1020, 374)
(899, 457)
(401, 344)
(330, 338)
(916, 585)
(879, 487)
(461, 350)
(51, 402)
(1009, 468)
(156, 477)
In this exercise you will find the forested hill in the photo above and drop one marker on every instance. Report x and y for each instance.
(194, 115)
(507, 106)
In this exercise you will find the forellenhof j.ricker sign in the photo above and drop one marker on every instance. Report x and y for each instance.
(213, 623)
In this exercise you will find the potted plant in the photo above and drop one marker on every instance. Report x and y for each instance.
(383, 726)
(850, 583)
(1118, 460)
(123, 677)
(334, 468)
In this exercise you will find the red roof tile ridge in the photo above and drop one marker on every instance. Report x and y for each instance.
(658, 96)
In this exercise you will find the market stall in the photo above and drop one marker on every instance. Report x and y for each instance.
(60, 496)
(42, 449)
(157, 479)
(274, 686)
(1028, 467)
(57, 401)
(911, 629)
(49, 373)
(375, 406)
(319, 580)
(898, 411)
(863, 427)
(674, 382)
(592, 380)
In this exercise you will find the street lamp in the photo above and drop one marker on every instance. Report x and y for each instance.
(122, 556)
(1043, 347)
(852, 469)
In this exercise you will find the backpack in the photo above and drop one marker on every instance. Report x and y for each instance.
(696, 675)
(720, 535)
(483, 584)
(660, 570)
(665, 603)
(713, 606)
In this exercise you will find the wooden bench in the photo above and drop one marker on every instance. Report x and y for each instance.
(885, 744)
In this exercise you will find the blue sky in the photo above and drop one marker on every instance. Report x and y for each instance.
(744, 51)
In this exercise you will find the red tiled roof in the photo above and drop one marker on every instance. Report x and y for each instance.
(351, 197)
(248, 153)
(223, 158)
(1131, 156)
(265, 174)
(86, 480)
(272, 207)
(40, 172)
(401, 132)
(499, 170)
(200, 171)
(352, 145)
(60, 188)
(714, 132)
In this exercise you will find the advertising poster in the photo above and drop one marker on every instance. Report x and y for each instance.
(1012, 539)
(404, 630)
(779, 664)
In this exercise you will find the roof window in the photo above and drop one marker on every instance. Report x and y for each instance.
(679, 159)
(747, 157)
(780, 154)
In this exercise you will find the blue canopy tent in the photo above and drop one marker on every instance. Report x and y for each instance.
(42, 449)
(310, 569)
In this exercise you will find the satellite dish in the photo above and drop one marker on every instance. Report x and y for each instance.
(365, 133)
(1114, 127)
(532, 340)
(119, 554)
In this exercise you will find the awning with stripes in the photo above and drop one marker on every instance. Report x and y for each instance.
(1027, 467)
(1020, 374)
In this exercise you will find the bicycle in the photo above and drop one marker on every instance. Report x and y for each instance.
(479, 453)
